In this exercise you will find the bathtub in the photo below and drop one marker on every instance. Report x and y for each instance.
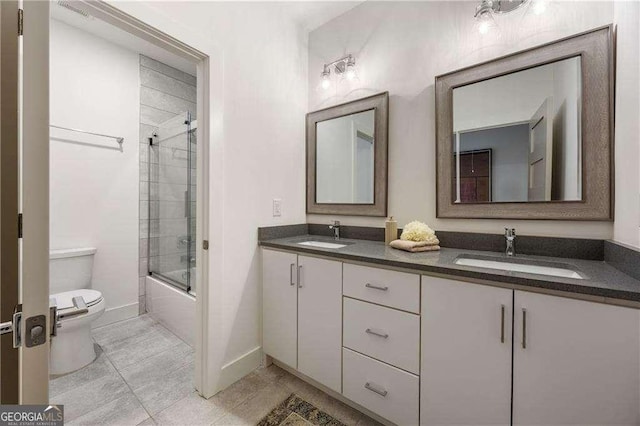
(171, 307)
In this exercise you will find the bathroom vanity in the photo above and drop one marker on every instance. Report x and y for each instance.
(423, 339)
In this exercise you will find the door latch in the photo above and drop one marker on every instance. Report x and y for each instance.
(14, 326)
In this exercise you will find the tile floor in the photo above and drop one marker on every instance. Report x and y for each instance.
(144, 376)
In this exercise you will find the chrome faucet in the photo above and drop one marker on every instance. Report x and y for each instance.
(510, 237)
(336, 229)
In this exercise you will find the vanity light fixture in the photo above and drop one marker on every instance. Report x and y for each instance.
(486, 10)
(345, 66)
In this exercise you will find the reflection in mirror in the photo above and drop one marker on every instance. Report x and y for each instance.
(517, 137)
(345, 159)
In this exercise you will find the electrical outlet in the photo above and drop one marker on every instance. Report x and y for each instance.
(277, 207)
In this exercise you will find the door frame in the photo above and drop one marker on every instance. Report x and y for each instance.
(144, 21)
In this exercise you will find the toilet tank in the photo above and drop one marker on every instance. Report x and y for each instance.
(70, 269)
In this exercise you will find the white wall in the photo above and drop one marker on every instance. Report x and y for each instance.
(94, 185)
(402, 46)
(259, 100)
(511, 98)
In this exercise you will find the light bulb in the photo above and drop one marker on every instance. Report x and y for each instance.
(326, 79)
(539, 7)
(351, 73)
(483, 27)
(485, 22)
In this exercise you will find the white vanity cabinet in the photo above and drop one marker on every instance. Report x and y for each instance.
(434, 351)
(320, 320)
(280, 306)
(466, 353)
(302, 314)
(575, 362)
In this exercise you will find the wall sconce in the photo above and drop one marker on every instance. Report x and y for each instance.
(485, 20)
(345, 66)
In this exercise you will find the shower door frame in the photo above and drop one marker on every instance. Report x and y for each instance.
(144, 21)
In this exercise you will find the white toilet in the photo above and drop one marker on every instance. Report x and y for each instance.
(70, 273)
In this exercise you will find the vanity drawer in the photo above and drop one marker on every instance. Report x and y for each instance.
(390, 288)
(381, 388)
(382, 333)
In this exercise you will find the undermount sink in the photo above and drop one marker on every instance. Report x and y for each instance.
(323, 244)
(541, 269)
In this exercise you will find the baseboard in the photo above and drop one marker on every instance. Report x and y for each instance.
(119, 313)
(239, 367)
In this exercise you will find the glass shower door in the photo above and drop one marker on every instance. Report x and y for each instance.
(171, 202)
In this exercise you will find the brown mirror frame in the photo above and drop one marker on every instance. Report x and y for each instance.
(380, 104)
(596, 50)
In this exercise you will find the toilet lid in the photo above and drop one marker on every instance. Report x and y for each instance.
(65, 300)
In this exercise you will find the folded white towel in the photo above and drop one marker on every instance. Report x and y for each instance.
(414, 246)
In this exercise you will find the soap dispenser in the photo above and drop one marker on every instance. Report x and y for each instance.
(390, 230)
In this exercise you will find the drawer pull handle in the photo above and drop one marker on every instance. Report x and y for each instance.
(383, 335)
(524, 328)
(372, 389)
(293, 266)
(502, 324)
(368, 285)
(299, 276)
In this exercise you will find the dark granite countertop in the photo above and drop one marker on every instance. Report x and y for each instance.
(600, 278)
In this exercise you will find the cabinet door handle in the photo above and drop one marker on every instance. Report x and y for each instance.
(385, 288)
(502, 324)
(291, 268)
(299, 276)
(378, 391)
(524, 328)
(383, 335)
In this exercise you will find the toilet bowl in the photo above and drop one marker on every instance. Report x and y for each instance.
(70, 277)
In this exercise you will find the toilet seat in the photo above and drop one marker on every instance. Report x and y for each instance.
(64, 300)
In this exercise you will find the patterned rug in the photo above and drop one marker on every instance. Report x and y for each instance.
(295, 411)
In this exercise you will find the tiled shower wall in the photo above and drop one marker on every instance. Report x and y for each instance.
(164, 92)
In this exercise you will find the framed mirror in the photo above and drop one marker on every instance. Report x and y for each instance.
(347, 158)
(529, 135)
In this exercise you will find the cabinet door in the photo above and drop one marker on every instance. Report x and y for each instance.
(466, 353)
(280, 306)
(578, 365)
(320, 320)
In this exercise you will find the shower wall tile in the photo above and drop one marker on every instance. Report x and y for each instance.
(166, 102)
(143, 269)
(153, 116)
(144, 207)
(164, 92)
(158, 81)
(147, 62)
(142, 286)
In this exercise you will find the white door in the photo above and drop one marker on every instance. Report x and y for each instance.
(280, 306)
(575, 362)
(24, 183)
(320, 320)
(540, 152)
(466, 353)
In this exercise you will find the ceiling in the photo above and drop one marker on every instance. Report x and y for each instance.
(308, 14)
(122, 38)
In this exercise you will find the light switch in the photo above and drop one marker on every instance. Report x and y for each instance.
(277, 207)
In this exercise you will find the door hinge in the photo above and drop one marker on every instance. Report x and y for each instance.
(205, 244)
(20, 22)
(19, 225)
